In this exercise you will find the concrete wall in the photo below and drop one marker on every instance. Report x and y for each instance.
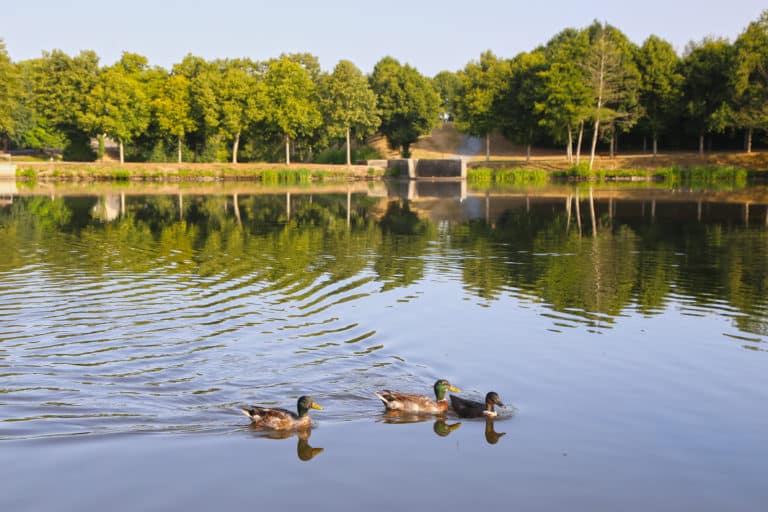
(8, 171)
(424, 168)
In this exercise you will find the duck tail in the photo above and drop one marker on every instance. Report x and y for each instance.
(381, 396)
(247, 412)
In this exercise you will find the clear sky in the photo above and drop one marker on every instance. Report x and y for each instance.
(431, 35)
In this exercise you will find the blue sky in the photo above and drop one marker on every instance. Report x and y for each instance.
(431, 35)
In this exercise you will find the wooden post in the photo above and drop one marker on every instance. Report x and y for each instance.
(698, 211)
(288, 205)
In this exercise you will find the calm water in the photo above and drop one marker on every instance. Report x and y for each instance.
(627, 327)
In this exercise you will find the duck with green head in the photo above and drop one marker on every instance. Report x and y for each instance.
(471, 409)
(415, 403)
(282, 419)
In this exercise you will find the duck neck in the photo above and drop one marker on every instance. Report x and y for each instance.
(489, 407)
(440, 394)
(303, 411)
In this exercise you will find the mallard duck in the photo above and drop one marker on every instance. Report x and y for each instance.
(471, 409)
(414, 403)
(282, 419)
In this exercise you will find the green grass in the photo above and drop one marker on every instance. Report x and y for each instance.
(486, 176)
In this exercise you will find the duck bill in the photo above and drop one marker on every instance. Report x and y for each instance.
(316, 406)
(454, 389)
(501, 405)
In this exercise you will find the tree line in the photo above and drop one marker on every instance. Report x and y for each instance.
(582, 88)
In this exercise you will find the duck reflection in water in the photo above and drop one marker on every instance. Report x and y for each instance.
(440, 426)
(491, 436)
(304, 451)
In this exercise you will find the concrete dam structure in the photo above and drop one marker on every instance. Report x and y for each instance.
(428, 169)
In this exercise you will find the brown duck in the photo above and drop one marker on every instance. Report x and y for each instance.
(415, 403)
(282, 419)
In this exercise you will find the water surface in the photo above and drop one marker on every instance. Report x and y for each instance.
(627, 327)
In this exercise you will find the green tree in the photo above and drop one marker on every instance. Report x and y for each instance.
(407, 102)
(520, 118)
(477, 106)
(10, 92)
(448, 85)
(292, 99)
(60, 87)
(118, 105)
(750, 79)
(706, 67)
(565, 102)
(349, 104)
(173, 110)
(660, 85)
(202, 76)
(241, 101)
(613, 81)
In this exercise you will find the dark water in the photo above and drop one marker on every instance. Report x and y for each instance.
(630, 343)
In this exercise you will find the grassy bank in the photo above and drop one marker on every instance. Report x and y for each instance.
(698, 176)
(267, 173)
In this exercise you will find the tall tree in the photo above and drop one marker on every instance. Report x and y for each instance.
(520, 119)
(750, 79)
(706, 67)
(118, 105)
(10, 92)
(173, 110)
(60, 89)
(447, 84)
(613, 80)
(482, 84)
(241, 101)
(202, 76)
(349, 104)
(565, 101)
(292, 99)
(660, 85)
(407, 102)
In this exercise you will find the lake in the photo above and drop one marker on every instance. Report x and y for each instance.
(626, 328)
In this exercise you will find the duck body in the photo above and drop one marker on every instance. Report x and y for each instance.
(471, 409)
(415, 403)
(282, 419)
(411, 402)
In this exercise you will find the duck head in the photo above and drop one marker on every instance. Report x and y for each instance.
(441, 386)
(306, 403)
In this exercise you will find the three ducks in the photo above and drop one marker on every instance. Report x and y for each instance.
(413, 403)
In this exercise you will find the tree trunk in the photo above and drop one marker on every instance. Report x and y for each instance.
(749, 140)
(122, 151)
(701, 145)
(655, 145)
(569, 149)
(349, 150)
(235, 146)
(179, 148)
(287, 150)
(578, 144)
(487, 147)
(601, 83)
(594, 144)
(645, 144)
(612, 142)
(528, 153)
